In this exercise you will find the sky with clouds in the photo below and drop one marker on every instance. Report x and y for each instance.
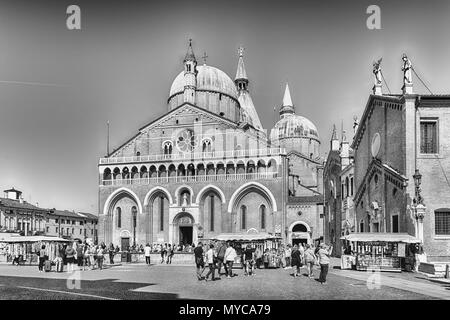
(59, 87)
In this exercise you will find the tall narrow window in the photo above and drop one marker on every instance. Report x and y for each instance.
(119, 217)
(211, 220)
(243, 217)
(134, 215)
(161, 213)
(262, 213)
(395, 223)
(361, 226)
(347, 189)
(351, 186)
(442, 222)
(428, 137)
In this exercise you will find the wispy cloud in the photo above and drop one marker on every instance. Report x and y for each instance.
(29, 83)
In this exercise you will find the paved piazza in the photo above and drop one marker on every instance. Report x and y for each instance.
(138, 281)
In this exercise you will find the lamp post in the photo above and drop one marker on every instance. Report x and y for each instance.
(134, 227)
(418, 205)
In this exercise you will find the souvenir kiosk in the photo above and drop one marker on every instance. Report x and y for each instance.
(27, 247)
(382, 251)
(261, 241)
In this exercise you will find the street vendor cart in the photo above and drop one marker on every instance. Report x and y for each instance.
(381, 251)
(258, 240)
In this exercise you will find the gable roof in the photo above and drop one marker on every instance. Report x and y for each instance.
(171, 113)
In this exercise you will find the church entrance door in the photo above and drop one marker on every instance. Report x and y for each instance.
(186, 234)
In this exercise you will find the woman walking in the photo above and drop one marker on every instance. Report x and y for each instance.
(310, 260)
(324, 261)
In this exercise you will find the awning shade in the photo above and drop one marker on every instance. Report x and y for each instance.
(382, 237)
(34, 239)
(244, 237)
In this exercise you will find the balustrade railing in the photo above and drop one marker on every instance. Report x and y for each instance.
(200, 178)
(195, 155)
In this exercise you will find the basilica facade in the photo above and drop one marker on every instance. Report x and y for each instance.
(208, 167)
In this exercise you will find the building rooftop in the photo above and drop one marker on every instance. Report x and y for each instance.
(5, 202)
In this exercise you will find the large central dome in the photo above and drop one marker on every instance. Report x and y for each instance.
(208, 79)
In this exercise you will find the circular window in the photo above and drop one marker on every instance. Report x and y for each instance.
(187, 141)
(299, 213)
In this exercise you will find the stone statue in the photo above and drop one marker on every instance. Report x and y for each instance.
(185, 200)
(355, 124)
(407, 69)
(377, 71)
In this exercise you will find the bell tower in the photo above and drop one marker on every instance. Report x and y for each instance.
(190, 75)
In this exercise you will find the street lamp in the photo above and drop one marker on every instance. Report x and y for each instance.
(418, 205)
(134, 226)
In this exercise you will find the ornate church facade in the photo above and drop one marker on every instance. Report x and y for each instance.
(208, 167)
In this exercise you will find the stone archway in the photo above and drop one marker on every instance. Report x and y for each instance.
(184, 229)
(299, 232)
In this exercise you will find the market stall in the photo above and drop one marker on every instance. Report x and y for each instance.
(261, 241)
(382, 251)
(26, 247)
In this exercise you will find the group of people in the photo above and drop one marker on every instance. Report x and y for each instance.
(216, 255)
(80, 256)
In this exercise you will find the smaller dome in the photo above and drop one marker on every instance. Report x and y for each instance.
(293, 126)
(208, 78)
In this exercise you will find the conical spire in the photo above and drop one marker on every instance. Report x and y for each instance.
(240, 73)
(288, 106)
(190, 56)
(334, 134)
(287, 101)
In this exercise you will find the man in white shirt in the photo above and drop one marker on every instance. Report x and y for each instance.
(147, 251)
(230, 255)
(210, 255)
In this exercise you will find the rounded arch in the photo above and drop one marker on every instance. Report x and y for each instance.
(293, 224)
(180, 188)
(257, 185)
(116, 193)
(154, 190)
(180, 215)
(207, 188)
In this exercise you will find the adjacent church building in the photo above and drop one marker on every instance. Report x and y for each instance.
(208, 167)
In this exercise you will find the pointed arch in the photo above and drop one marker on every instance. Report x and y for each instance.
(117, 193)
(206, 189)
(153, 191)
(256, 185)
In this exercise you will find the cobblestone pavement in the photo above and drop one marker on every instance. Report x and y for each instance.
(138, 281)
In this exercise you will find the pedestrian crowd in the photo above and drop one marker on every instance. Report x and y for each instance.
(214, 255)
(76, 256)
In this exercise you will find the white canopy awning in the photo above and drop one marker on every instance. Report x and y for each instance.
(244, 237)
(381, 237)
(20, 239)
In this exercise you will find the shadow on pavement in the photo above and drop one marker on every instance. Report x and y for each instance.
(105, 288)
